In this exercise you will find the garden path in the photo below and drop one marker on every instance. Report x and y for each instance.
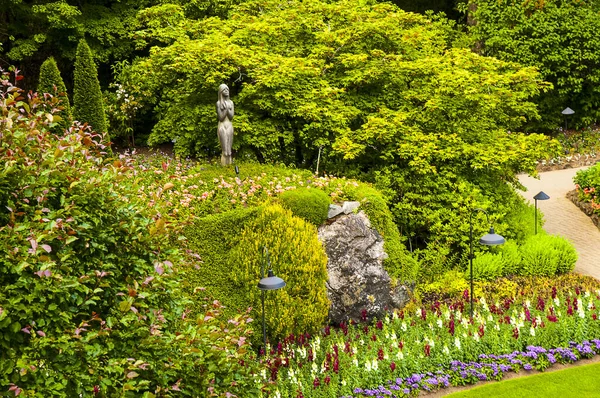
(562, 217)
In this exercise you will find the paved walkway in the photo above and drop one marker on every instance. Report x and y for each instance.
(563, 218)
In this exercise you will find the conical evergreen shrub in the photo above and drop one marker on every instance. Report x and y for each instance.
(87, 97)
(51, 82)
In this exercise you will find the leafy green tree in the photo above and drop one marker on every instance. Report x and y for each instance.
(385, 95)
(560, 38)
(87, 98)
(51, 82)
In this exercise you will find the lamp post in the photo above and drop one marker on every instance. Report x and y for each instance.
(271, 282)
(489, 239)
(567, 112)
(540, 196)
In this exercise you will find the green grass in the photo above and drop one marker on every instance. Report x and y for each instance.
(578, 381)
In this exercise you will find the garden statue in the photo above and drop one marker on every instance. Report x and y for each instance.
(225, 128)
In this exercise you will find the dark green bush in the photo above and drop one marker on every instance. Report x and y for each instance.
(211, 239)
(87, 97)
(89, 286)
(309, 204)
(51, 82)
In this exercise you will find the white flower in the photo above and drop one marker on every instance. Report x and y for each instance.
(355, 362)
(447, 315)
(314, 367)
(362, 342)
(344, 382)
(419, 312)
(457, 342)
(403, 326)
(394, 337)
(400, 355)
(556, 301)
(586, 294)
(528, 304)
(446, 350)
(368, 366)
(440, 323)
(374, 366)
(490, 318)
(476, 337)
(497, 327)
(590, 305)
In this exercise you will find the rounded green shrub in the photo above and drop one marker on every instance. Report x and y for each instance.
(487, 266)
(511, 258)
(87, 97)
(310, 204)
(51, 82)
(296, 256)
(566, 255)
(539, 256)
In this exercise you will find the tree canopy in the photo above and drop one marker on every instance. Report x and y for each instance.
(387, 95)
(560, 38)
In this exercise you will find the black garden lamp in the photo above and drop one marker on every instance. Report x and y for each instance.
(567, 112)
(489, 239)
(271, 282)
(540, 196)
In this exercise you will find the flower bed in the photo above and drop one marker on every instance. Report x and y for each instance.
(431, 346)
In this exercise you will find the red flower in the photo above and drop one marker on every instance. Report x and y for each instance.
(481, 330)
(392, 366)
(541, 305)
(552, 318)
(594, 316)
(427, 350)
(451, 327)
(374, 338)
(424, 314)
(570, 310)
(316, 383)
(379, 325)
(380, 354)
(327, 379)
(516, 333)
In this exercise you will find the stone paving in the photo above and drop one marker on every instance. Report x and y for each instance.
(563, 218)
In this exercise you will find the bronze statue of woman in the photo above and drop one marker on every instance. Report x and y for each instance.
(225, 128)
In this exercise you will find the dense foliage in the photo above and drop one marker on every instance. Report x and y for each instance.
(87, 96)
(310, 204)
(381, 92)
(89, 291)
(558, 37)
(290, 246)
(539, 255)
(51, 82)
(587, 183)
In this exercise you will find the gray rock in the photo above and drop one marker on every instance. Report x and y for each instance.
(349, 207)
(334, 210)
(357, 280)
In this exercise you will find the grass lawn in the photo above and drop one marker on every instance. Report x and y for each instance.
(579, 381)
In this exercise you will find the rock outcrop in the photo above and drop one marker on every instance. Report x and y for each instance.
(358, 285)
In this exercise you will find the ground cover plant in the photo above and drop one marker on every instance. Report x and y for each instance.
(533, 324)
(575, 382)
